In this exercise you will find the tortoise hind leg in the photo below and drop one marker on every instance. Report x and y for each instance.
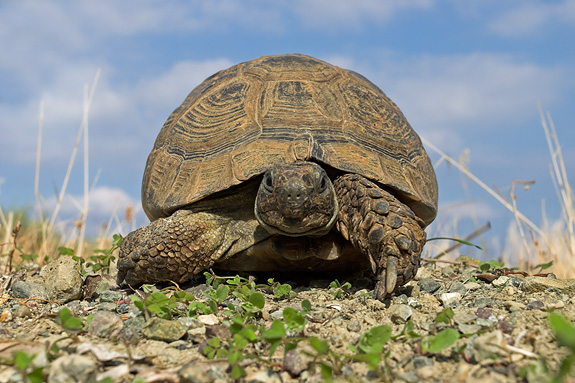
(382, 228)
(173, 248)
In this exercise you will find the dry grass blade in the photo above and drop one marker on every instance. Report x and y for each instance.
(555, 243)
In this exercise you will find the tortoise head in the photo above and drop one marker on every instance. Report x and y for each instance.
(296, 199)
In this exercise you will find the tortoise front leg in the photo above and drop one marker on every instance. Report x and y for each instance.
(382, 228)
(173, 248)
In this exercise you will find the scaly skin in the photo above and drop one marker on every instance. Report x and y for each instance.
(170, 249)
(383, 228)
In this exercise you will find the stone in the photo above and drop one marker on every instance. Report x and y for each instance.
(73, 368)
(429, 285)
(208, 320)
(449, 299)
(111, 296)
(298, 360)
(536, 305)
(400, 314)
(30, 289)
(164, 330)
(354, 326)
(458, 287)
(105, 324)
(501, 281)
(63, 279)
(537, 284)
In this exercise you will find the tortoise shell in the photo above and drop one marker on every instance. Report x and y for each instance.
(281, 109)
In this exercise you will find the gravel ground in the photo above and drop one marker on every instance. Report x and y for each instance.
(452, 323)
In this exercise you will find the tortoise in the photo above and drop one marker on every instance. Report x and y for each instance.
(284, 163)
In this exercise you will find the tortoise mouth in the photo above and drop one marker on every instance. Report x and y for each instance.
(296, 200)
(296, 227)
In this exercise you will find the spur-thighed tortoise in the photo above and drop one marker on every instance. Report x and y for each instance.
(284, 163)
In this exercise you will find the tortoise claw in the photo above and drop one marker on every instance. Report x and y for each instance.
(391, 274)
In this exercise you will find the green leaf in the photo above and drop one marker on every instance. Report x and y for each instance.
(65, 250)
(543, 266)
(294, 320)
(222, 293)
(37, 375)
(563, 329)
(276, 331)
(22, 360)
(374, 339)
(237, 372)
(306, 305)
(67, 320)
(257, 299)
(442, 340)
(320, 345)
(326, 372)
(282, 291)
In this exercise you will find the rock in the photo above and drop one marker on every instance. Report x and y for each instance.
(219, 331)
(107, 306)
(72, 369)
(429, 285)
(472, 286)
(164, 330)
(298, 360)
(536, 305)
(111, 296)
(105, 324)
(202, 373)
(483, 302)
(513, 306)
(555, 305)
(501, 281)
(399, 314)
(450, 299)
(63, 279)
(30, 289)
(22, 312)
(354, 326)
(208, 320)
(263, 376)
(536, 284)
(469, 328)
(458, 287)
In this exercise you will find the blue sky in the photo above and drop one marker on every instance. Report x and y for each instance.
(467, 75)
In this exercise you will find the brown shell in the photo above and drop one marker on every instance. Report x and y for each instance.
(281, 109)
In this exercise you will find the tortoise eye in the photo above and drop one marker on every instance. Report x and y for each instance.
(268, 182)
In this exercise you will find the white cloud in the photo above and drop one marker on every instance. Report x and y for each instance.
(448, 91)
(530, 18)
(334, 15)
(105, 204)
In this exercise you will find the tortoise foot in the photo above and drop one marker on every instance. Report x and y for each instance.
(382, 228)
(171, 249)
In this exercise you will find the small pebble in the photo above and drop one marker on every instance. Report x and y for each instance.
(429, 285)
(208, 320)
(501, 281)
(399, 314)
(536, 305)
(450, 298)
(555, 305)
(471, 286)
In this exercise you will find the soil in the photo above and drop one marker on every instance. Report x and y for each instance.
(500, 319)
